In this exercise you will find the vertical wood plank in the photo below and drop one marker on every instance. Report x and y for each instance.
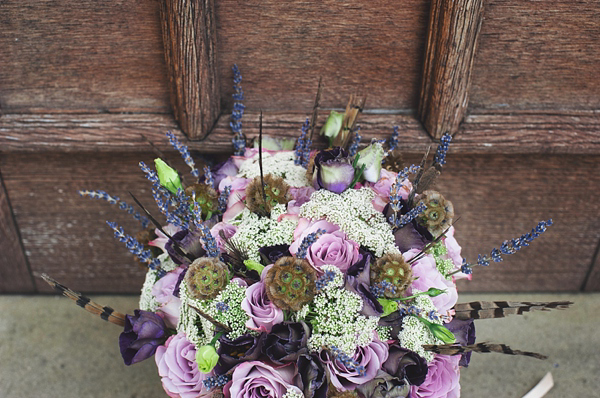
(189, 38)
(592, 280)
(14, 271)
(454, 27)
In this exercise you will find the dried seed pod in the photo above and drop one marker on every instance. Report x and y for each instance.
(206, 197)
(438, 214)
(206, 277)
(394, 161)
(276, 192)
(290, 283)
(333, 392)
(392, 269)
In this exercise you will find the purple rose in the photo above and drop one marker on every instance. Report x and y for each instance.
(144, 332)
(426, 276)
(442, 379)
(263, 314)
(225, 169)
(258, 380)
(299, 197)
(332, 248)
(176, 363)
(286, 342)
(371, 357)
(232, 352)
(333, 170)
(405, 364)
(163, 292)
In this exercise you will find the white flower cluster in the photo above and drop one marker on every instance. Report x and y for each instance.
(147, 300)
(293, 392)
(280, 164)
(415, 333)
(255, 232)
(336, 319)
(354, 213)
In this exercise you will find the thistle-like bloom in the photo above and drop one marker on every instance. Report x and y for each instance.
(206, 277)
(290, 283)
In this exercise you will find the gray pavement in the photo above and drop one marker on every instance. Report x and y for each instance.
(51, 348)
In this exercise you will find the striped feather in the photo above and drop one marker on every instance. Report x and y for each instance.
(455, 349)
(106, 313)
(500, 309)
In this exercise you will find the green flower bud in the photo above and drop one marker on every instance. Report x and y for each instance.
(207, 358)
(254, 266)
(389, 306)
(167, 176)
(332, 126)
(439, 331)
(371, 158)
(433, 292)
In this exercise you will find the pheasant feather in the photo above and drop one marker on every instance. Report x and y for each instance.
(501, 309)
(106, 313)
(455, 349)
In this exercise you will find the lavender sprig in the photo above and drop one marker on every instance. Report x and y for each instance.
(324, 280)
(302, 144)
(208, 177)
(307, 241)
(442, 149)
(395, 191)
(215, 381)
(378, 290)
(185, 154)
(135, 247)
(508, 247)
(114, 200)
(239, 141)
(355, 141)
(224, 198)
(392, 143)
(348, 362)
(408, 217)
(209, 242)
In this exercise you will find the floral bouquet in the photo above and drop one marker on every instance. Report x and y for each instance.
(298, 273)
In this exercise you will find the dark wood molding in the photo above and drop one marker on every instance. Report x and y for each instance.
(189, 38)
(15, 276)
(570, 132)
(454, 27)
(592, 279)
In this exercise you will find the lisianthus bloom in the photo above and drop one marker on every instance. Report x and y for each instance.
(232, 352)
(228, 230)
(206, 358)
(442, 379)
(454, 250)
(405, 364)
(382, 189)
(371, 158)
(331, 248)
(176, 363)
(163, 292)
(333, 170)
(384, 385)
(256, 379)
(314, 377)
(286, 342)
(225, 169)
(371, 357)
(235, 202)
(144, 332)
(263, 314)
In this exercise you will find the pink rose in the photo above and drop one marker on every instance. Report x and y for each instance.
(426, 275)
(299, 197)
(332, 248)
(382, 189)
(228, 229)
(371, 357)
(170, 306)
(235, 203)
(255, 379)
(454, 254)
(442, 379)
(176, 363)
(263, 314)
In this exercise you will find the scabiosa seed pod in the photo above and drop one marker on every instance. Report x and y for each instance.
(392, 269)
(438, 214)
(291, 283)
(276, 192)
(206, 277)
(332, 392)
(206, 197)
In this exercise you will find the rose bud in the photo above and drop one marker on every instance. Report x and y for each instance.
(167, 176)
(207, 358)
(332, 126)
(143, 333)
(371, 158)
(333, 170)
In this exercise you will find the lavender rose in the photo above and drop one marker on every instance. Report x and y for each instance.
(442, 379)
(426, 275)
(256, 379)
(176, 363)
(263, 314)
(228, 230)
(371, 357)
(382, 189)
(144, 332)
(235, 203)
(163, 292)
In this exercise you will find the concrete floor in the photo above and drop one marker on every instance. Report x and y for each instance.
(51, 348)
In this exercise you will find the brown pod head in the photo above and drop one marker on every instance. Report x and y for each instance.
(206, 277)
(393, 269)
(276, 192)
(438, 215)
(333, 392)
(206, 197)
(290, 283)
(394, 161)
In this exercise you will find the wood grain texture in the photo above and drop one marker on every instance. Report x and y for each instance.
(570, 133)
(65, 235)
(14, 272)
(592, 281)
(538, 55)
(451, 44)
(282, 48)
(189, 37)
(81, 56)
(498, 197)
